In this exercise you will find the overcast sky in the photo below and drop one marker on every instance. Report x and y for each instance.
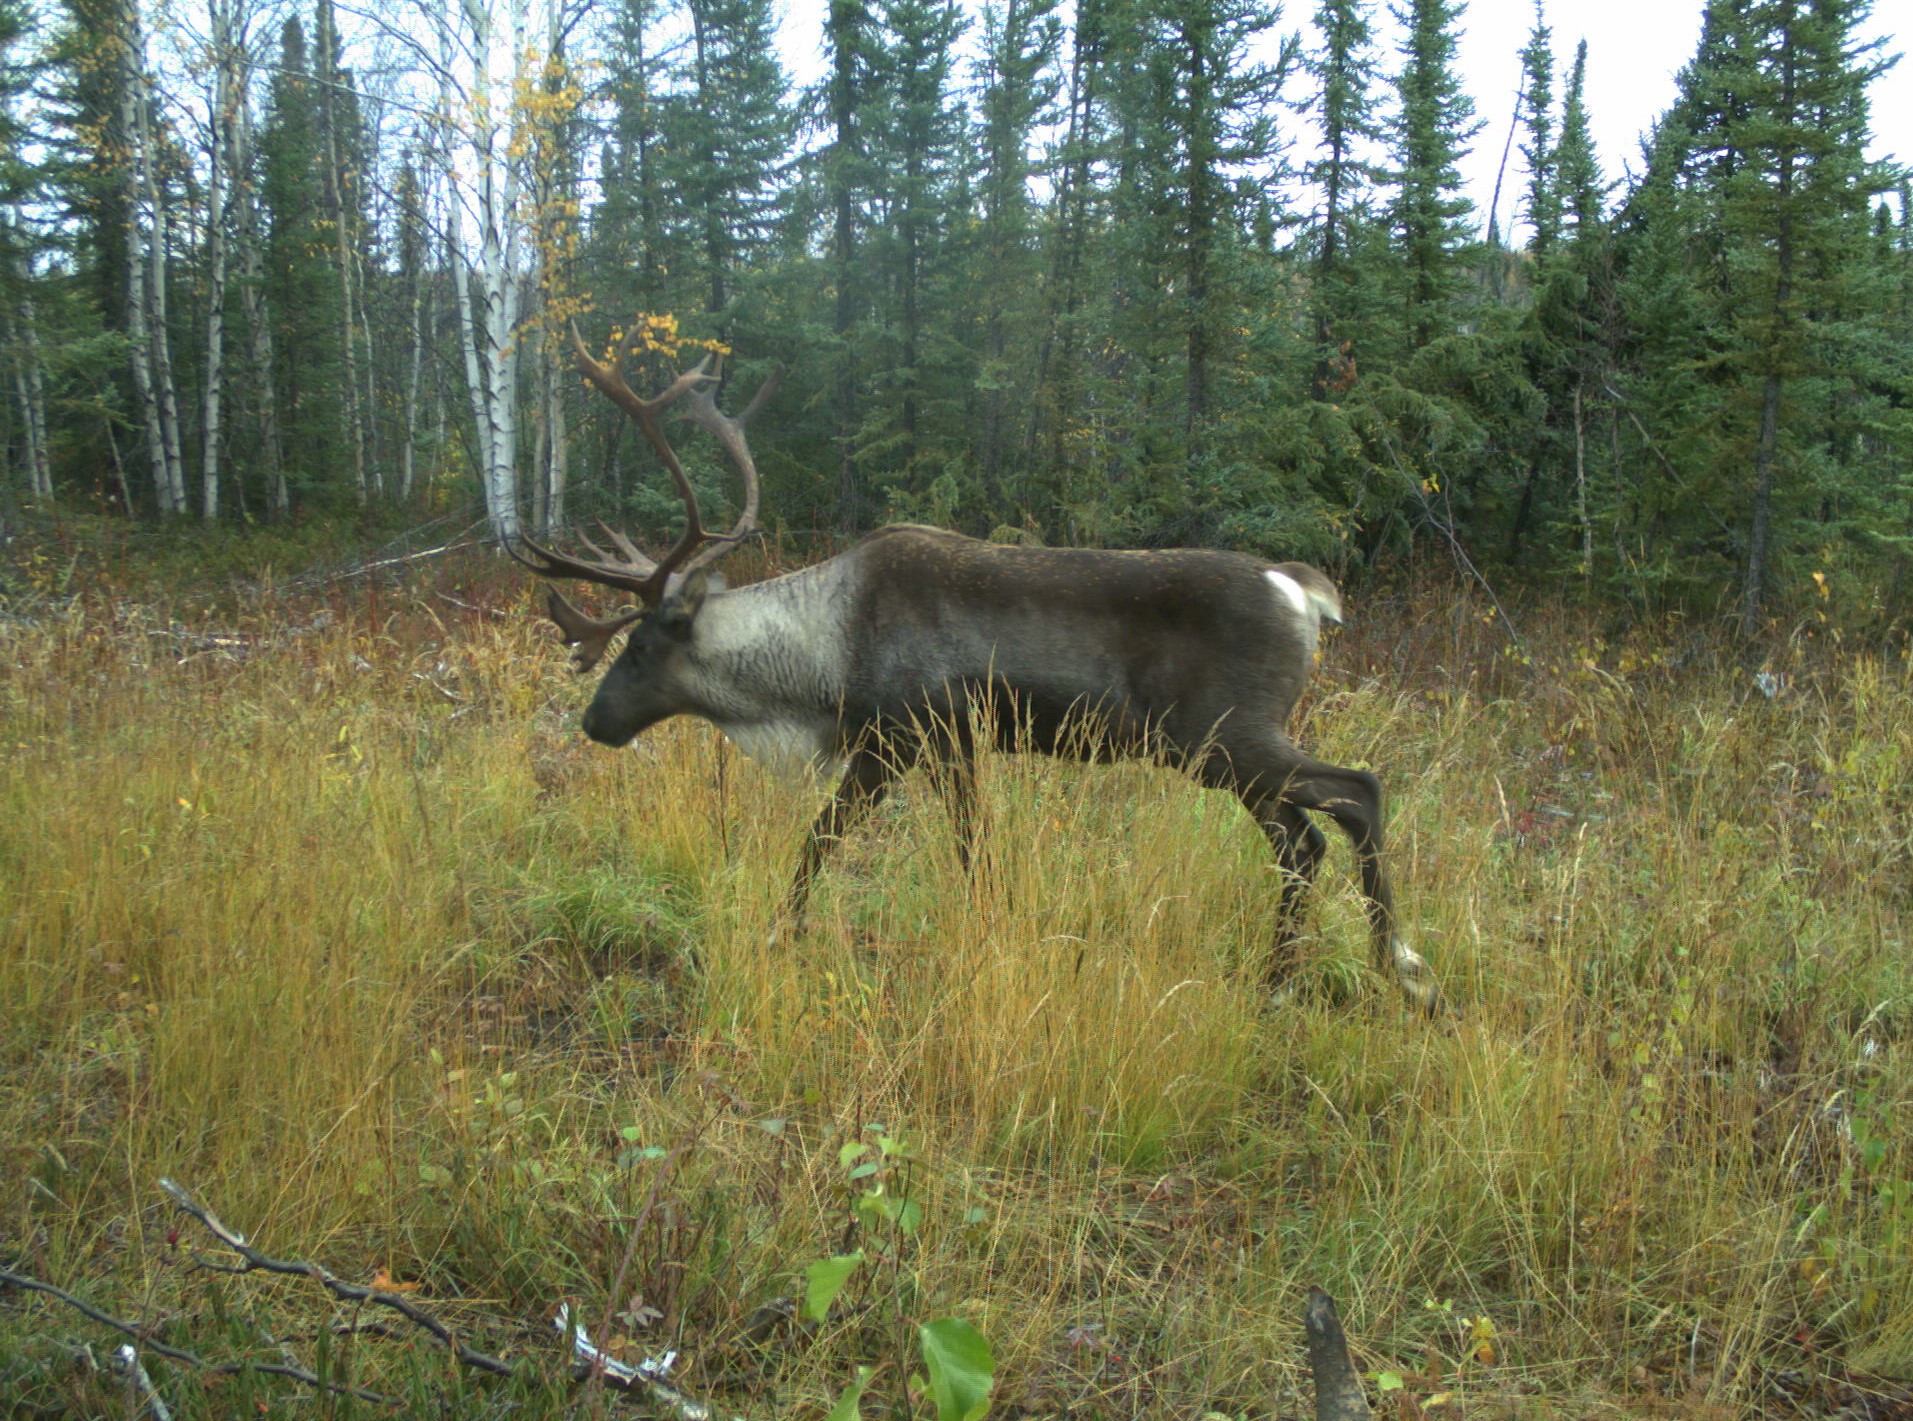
(1635, 48)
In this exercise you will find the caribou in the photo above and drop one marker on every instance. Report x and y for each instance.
(915, 643)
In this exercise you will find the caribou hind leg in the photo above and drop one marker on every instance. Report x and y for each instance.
(1299, 847)
(1271, 772)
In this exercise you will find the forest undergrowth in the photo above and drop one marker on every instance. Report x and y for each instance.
(318, 903)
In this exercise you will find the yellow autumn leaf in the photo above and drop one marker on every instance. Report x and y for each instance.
(1481, 1339)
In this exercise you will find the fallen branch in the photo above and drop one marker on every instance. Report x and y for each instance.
(369, 567)
(142, 1335)
(1621, 403)
(1446, 527)
(253, 1259)
(646, 1378)
(593, 1363)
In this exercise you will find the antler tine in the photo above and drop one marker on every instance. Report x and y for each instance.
(588, 637)
(626, 546)
(701, 408)
(640, 576)
(635, 561)
(610, 382)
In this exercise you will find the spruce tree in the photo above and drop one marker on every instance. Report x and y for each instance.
(1543, 159)
(1344, 109)
(1794, 192)
(849, 92)
(1577, 169)
(1755, 318)
(302, 286)
(90, 148)
(627, 243)
(726, 134)
(1431, 133)
(921, 152)
(1193, 105)
(1017, 88)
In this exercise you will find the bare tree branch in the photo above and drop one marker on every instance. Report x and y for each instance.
(143, 1336)
(338, 1287)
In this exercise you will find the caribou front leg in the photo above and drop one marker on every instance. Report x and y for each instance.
(866, 780)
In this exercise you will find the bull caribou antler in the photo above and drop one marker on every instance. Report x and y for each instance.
(695, 548)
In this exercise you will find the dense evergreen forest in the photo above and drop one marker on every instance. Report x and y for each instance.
(1132, 272)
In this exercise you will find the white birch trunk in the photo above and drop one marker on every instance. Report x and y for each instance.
(489, 289)
(327, 76)
(556, 421)
(169, 492)
(165, 389)
(28, 384)
(224, 123)
(471, 337)
(33, 402)
(408, 458)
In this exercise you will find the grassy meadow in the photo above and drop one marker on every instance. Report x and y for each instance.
(316, 901)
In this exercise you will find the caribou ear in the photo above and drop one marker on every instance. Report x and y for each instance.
(681, 603)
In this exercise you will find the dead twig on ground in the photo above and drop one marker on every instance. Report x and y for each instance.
(142, 1335)
(252, 1259)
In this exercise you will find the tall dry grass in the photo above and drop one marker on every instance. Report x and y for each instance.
(321, 906)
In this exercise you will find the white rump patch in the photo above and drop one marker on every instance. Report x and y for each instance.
(1307, 603)
(1297, 596)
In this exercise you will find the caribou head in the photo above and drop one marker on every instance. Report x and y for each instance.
(643, 684)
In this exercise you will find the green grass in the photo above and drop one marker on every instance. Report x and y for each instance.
(335, 918)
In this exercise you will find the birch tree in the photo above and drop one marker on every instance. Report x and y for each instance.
(228, 79)
(485, 143)
(414, 227)
(146, 275)
(19, 247)
(24, 337)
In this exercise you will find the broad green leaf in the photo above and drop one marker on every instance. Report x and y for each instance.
(960, 1366)
(846, 1408)
(825, 1279)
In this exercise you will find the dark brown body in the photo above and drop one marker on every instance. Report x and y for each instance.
(893, 653)
(1128, 638)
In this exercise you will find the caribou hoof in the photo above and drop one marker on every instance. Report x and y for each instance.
(1416, 977)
